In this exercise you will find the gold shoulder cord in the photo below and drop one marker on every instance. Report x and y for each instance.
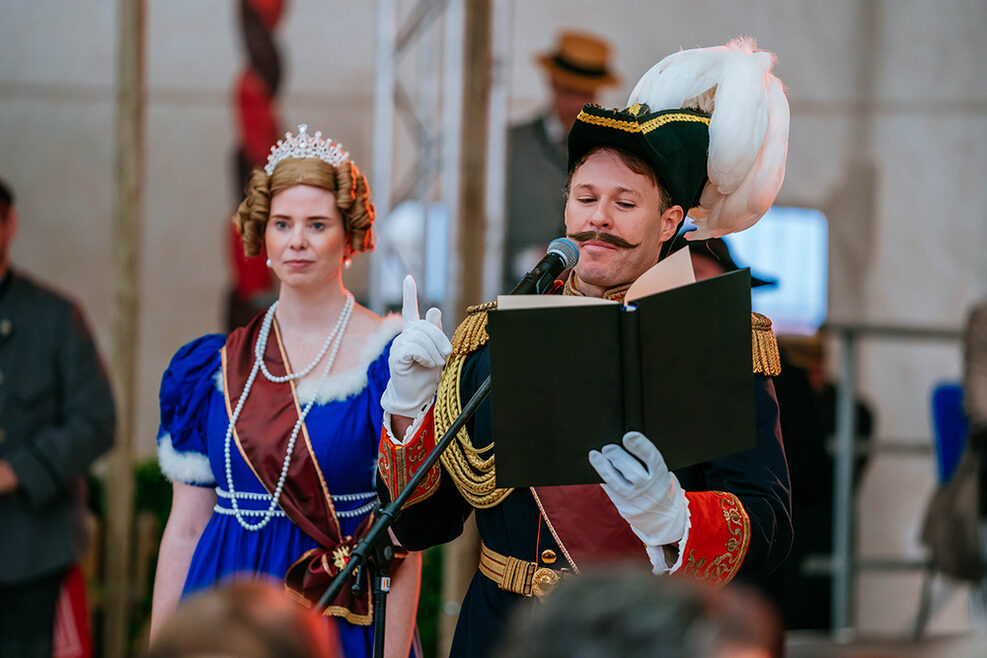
(473, 475)
(767, 361)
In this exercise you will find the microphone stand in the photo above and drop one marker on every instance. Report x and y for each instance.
(540, 280)
(377, 538)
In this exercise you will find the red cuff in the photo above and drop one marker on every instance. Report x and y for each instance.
(718, 538)
(397, 464)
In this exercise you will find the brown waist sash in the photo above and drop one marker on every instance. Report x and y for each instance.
(587, 526)
(261, 435)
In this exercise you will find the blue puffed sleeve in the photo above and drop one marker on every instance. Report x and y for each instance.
(378, 375)
(186, 388)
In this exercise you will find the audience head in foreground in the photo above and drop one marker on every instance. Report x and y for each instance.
(625, 613)
(248, 619)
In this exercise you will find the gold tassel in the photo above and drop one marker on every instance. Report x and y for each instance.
(764, 346)
(471, 333)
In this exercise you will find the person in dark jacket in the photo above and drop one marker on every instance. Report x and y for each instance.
(56, 417)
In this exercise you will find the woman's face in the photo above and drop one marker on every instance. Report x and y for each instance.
(305, 237)
(614, 215)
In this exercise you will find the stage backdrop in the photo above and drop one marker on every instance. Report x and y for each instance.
(889, 113)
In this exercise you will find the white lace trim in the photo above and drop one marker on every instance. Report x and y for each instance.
(369, 496)
(352, 381)
(247, 512)
(254, 495)
(188, 467)
(279, 512)
(409, 433)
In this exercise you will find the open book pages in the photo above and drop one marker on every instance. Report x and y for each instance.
(517, 302)
(673, 272)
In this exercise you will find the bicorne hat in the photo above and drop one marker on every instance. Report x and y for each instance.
(673, 142)
(713, 125)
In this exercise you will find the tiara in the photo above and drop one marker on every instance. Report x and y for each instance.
(304, 145)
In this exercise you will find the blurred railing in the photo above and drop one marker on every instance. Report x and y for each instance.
(843, 563)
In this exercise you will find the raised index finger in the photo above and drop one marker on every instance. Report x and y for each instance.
(409, 307)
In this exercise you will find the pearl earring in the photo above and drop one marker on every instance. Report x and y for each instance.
(268, 262)
(347, 262)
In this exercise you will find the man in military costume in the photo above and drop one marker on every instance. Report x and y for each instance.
(633, 175)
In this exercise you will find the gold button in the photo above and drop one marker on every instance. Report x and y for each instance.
(543, 581)
(3, 435)
(1, 377)
(548, 556)
(5, 327)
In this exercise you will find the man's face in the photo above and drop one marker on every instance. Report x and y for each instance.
(614, 215)
(567, 102)
(8, 227)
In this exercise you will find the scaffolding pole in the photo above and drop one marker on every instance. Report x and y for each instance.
(128, 161)
(472, 214)
(844, 564)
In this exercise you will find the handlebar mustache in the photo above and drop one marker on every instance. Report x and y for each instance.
(609, 238)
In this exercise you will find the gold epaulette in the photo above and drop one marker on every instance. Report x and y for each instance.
(472, 474)
(472, 332)
(764, 345)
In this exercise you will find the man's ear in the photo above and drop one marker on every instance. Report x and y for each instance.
(669, 222)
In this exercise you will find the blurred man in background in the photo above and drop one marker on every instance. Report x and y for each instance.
(56, 417)
(807, 400)
(576, 70)
(975, 405)
(712, 258)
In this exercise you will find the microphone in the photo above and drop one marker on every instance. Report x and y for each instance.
(562, 255)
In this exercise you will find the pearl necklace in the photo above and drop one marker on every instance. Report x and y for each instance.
(334, 339)
(266, 329)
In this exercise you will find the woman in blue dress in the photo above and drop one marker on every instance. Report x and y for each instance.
(269, 436)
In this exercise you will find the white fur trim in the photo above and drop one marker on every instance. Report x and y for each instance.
(354, 380)
(188, 467)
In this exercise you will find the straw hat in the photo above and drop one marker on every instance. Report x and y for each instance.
(580, 61)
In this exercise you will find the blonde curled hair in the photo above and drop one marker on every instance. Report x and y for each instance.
(345, 182)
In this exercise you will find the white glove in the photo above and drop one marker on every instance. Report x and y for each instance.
(417, 357)
(647, 495)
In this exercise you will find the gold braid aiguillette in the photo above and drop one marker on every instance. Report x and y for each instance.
(472, 474)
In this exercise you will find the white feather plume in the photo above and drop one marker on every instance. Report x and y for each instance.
(748, 130)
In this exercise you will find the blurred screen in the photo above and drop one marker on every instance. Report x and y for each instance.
(790, 246)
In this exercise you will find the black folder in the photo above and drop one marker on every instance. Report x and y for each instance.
(675, 365)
